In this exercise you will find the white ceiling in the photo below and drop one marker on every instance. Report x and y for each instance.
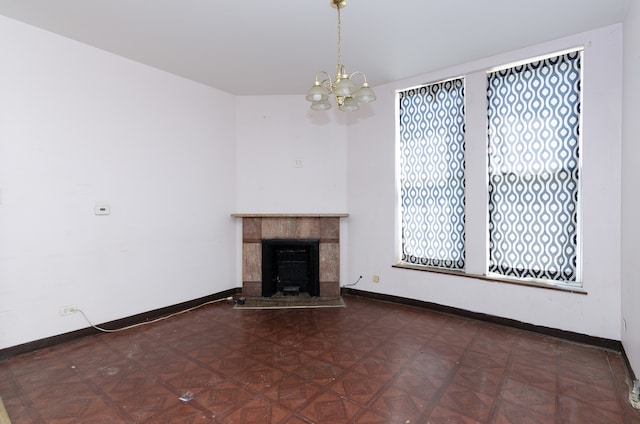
(257, 47)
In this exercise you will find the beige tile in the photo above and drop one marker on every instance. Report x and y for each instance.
(330, 229)
(252, 289)
(252, 262)
(308, 228)
(330, 289)
(251, 229)
(274, 228)
(329, 262)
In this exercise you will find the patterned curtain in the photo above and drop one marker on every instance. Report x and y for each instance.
(432, 175)
(533, 120)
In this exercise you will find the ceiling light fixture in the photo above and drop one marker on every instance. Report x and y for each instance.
(346, 92)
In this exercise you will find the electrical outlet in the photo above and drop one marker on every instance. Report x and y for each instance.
(376, 278)
(68, 310)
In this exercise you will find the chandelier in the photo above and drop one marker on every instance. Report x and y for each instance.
(346, 92)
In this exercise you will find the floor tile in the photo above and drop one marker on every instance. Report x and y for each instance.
(400, 405)
(445, 416)
(573, 411)
(483, 380)
(329, 407)
(257, 410)
(224, 398)
(357, 387)
(292, 392)
(467, 402)
(529, 397)
(508, 413)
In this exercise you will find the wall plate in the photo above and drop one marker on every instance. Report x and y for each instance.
(102, 209)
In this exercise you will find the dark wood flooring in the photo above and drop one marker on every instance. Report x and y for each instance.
(371, 362)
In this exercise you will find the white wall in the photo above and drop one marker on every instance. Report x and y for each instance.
(371, 176)
(272, 132)
(630, 192)
(80, 126)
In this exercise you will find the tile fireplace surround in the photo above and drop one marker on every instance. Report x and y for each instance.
(258, 227)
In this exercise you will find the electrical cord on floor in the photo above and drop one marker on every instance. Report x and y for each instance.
(105, 330)
(353, 284)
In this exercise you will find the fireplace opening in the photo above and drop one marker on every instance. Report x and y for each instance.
(290, 267)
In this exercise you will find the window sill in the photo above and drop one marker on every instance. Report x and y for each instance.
(492, 279)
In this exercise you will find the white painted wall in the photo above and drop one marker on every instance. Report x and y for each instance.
(371, 190)
(630, 192)
(272, 132)
(80, 126)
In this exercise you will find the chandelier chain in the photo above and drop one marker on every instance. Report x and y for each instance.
(339, 71)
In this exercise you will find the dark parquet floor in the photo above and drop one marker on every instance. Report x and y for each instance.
(371, 362)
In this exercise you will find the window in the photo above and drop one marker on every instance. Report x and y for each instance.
(432, 174)
(534, 169)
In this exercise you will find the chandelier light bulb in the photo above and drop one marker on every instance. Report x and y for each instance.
(321, 105)
(317, 93)
(345, 87)
(349, 105)
(365, 94)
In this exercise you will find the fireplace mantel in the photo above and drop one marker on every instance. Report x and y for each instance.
(324, 227)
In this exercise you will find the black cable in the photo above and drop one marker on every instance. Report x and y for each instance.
(353, 284)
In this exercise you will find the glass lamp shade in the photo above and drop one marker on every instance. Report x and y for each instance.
(365, 94)
(317, 93)
(345, 87)
(349, 105)
(321, 105)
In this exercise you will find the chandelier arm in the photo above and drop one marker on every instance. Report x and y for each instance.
(326, 76)
(326, 82)
(364, 77)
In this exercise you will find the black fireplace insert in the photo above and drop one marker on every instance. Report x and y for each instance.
(290, 267)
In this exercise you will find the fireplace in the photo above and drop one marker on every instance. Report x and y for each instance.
(290, 267)
(292, 229)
